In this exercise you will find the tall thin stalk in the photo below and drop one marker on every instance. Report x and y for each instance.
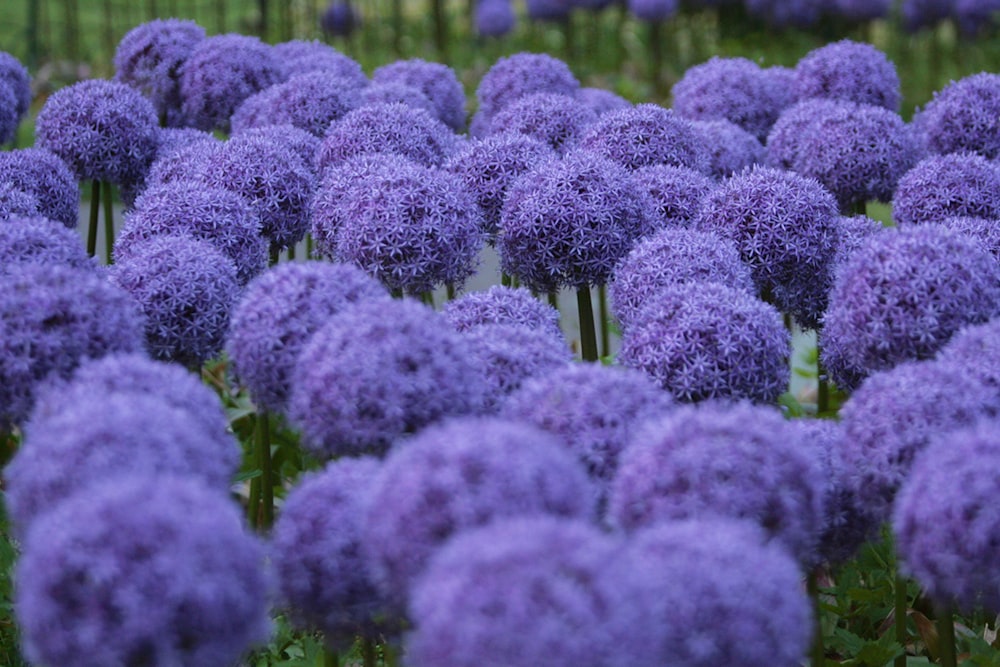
(588, 336)
(605, 320)
(946, 634)
(330, 658)
(95, 214)
(263, 446)
(109, 223)
(367, 652)
(818, 649)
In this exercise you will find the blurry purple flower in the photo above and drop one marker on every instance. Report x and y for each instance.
(494, 18)
(976, 348)
(310, 101)
(515, 76)
(646, 134)
(389, 92)
(15, 75)
(976, 18)
(501, 305)
(38, 240)
(548, 10)
(299, 57)
(438, 82)
(676, 193)
(862, 10)
(786, 140)
(555, 119)
(787, 13)
(8, 113)
(730, 148)
(963, 116)
(987, 232)
(339, 19)
(944, 186)
(850, 71)
(601, 100)
(653, 10)
(15, 202)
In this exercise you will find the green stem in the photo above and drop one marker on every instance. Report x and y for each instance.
(554, 300)
(109, 223)
(254, 502)
(291, 253)
(95, 214)
(367, 652)
(309, 246)
(263, 444)
(330, 658)
(428, 298)
(605, 328)
(818, 650)
(450, 291)
(900, 618)
(275, 255)
(946, 634)
(588, 337)
(505, 280)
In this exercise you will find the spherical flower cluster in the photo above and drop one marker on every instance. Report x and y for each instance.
(278, 313)
(902, 296)
(601, 100)
(547, 10)
(669, 257)
(676, 193)
(317, 556)
(861, 11)
(568, 222)
(190, 162)
(730, 148)
(105, 131)
(919, 14)
(494, 18)
(437, 81)
(851, 71)
(553, 118)
(38, 240)
(976, 349)
(987, 232)
(51, 318)
(299, 141)
(378, 371)
(389, 92)
(14, 74)
(719, 459)
(706, 340)
(944, 186)
(298, 56)
(221, 72)
(787, 13)
(458, 475)
(310, 101)
(515, 76)
(786, 138)
(339, 19)
(16, 202)
(852, 233)
(155, 571)
(44, 175)
(975, 18)
(653, 10)
(501, 305)
(8, 114)
(185, 288)
(646, 134)
(149, 58)
(963, 116)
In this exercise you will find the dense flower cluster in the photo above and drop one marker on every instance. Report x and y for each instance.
(16, 76)
(494, 18)
(553, 118)
(513, 77)
(963, 116)
(730, 148)
(38, 240)
(601, 100)
(189, 162)
(976, 349)
(8, 113)
(676, 193)
(390, 91)
(987, 232)
(501, 305)
(944, 186)
(786, 13)
(301, 142)
(437, 81)
(299, 57)
(16, 202)
(852, 233)
(339, 19)
(785, 140)
(851, 71)
(310, 101)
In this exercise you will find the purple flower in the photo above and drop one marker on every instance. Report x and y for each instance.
(378, 371)
(706, 340)
(301, 142)
(738, 460)
(15, 75)
(601, 100)
(185, 288)
(15, 202)
(850, 71)
(553, 118)
(672, 256)
(437, 81)
(44, 175)
(459, 475)
(38, 240)
(501, 305)
(8, 113)
(644, 135)
(568, 222)
(944, 186)
(221, 72)
(190, 162)
(862, 10)
(548, 10)
(976, 18)
(964, 116)
(787, 13)
(730, 148)
(279, 312)
(976, 348)
(515, 76)
(676, 192)
(149, 58)
(104, 130)
(853, 233)
(786, 139)
(987, 232)
(902, 296)
(299, 57)
(494, 18)
(653, 10)
(918, 14)
(51, 318)
(310, 101)
(339, 19)
(145, 570)
(391, 91)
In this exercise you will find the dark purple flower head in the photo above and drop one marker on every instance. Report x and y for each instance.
(142, 571)
(850, 71)
(387, 128)
(279, 312)
(918, 14)
(601, 100)
(391, 91)
(963, 116)
(213, 214)
(553, 118)
(548, 10)
(976, 18)
(521, 591)
(149, 58)
(437, 81)
(459, 475)
(672, 256)
(15, 202)
(377, 371)
(489, 167)
(105, 131)
(38, 240)
(944, 186)
(339, 19)
(521, 74)
(706, 340)
(15, 75)
(987, 232)
(568, 222)
(719, 459)
(861, 11)
(299, 57)
(8, 113)
(949, 545)
(501, 305)
(676, 192)
(653, 10)
(902, 296)
(787, 13)
(221, 72)
(44, 175)
(494, 18)
(976, 348)
(730, 148)
(310, 101)
(316, 551)
(185, 288)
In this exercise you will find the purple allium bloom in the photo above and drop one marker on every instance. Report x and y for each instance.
(221, 72)
(730, 148)
(733, 89)
(8, 113)
(787, 13)
(458, 475)
(169, 140)
(521, 591)
(38, 240)
(494, 18)
(489, 167)
(548, 10)
(779, 86)
(104, 130)
(213, 214)
(299, 57)
(786, 139)
(944, 186)
(501, 305)
(601, 100)
(390, 91)
(52, 318)
(894, 414)
(688, 584)
(853, 232)
(672, 256)
(190, 162)
(987, 232)
(387, 128)
(949, 544)
(149, 58)
(185, 288)
(555, 119)
(513, 77)
(706, 340)
(15, 75)
(568, 222)
(316, 551)
(676, 192)
(862, 10)
(15, 202)
(310, 101)
(653, 10)
(437, 81)
(339, 19)
(976, 348)
(963, 116)
(902, 296)
(719, 459)
(850, 71)
(143, 571)
(918, 14)
(378, 371)
(279, 312)
(646, 134)
(976, 17)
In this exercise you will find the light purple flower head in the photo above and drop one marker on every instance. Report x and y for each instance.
(15, 75)
(706, 340)
(852, 233)
(278, 313)
(190, 162)
(143, 571)
(653, 10)
(501, 305)
(944, 186)
(553, 118)
(735, 460)
(299, 56)
(850, 71)
(169, 140)
(43, 174)
(787, 136)
(339, 19)
(494, 18)
(309, 101)
(787, 13)
(301, 142)
(437, 81)
(669, 257)
(458, 475)
(987, 232)
(377, 371)
(185, 288)
(676, 192)
(976, 348)
(15, 202)
(731, 149)
(601, 100)
(38, 240)
(105, 131)
(515, 76)
(963, 116)
(391, 91)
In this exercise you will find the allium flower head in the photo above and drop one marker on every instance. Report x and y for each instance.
(918, 14)
(731, 149)
(862, 10)
(378, 371)
(976, 18)
(16, 202)
(8, 113)
(105, 131)
(15, 75)
(851, 71)
(976, 348)
(676, 192)
(787, 13)
(719, 459)
(339, 19)
(435, 80)
(515, 76)
(706, 340)
(298, 56)
(459, 475)
(42, 173)
(38, 240)
(944, 186)
(185, 288)
(501, 305)
(302, 143)
(190, 162)
(553, 118)
(672, 256)
(987, 232)
(963, 116)
(494, 18)
(310, 101)
(146, 570)
(389, 92)
(653, 10)
(278, 313)
(786, 139)
(601, 100)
